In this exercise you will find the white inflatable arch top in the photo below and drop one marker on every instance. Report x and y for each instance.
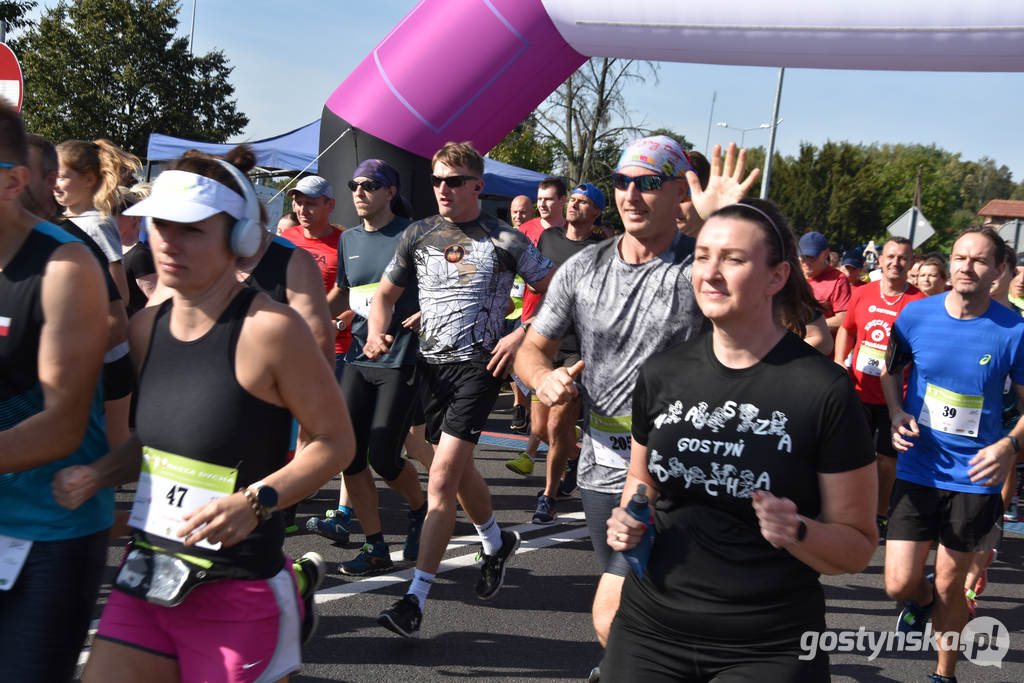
(930, 35)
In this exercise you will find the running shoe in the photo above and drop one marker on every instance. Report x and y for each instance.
(373, 559)
(288, 517)
(521, 464)
(412, 537)
(568, 483)
(595, 675)
(335, 528)
(972, 606)
(404, 617)
(519, 422)
(936, 678)
(313, 568)
(913, 617)
(1012, 513)
(883, 526)
(545, 513)
(492, 571)
(982, 582)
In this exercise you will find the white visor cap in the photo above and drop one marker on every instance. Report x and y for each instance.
(184, 197)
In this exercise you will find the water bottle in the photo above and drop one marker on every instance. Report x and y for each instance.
(640, 510)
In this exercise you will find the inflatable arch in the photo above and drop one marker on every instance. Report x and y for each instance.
(473, 69)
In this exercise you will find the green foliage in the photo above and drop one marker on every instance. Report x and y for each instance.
(14, 11)
(114, 69)
(851, 193)
(522, 147)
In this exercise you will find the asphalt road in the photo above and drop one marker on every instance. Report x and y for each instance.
(538, 626)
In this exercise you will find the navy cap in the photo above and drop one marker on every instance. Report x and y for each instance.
(853, 257)
(812, 244)
(1020, 259)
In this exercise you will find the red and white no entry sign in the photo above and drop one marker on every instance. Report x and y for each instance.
(11, 84)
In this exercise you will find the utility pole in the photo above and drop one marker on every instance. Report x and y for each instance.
(771, 138)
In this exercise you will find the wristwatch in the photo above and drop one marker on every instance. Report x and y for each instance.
(801, 530)
(263, 499)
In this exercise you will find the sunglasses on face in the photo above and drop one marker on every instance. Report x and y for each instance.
(644, 183)
(368, 185)
(452, 180)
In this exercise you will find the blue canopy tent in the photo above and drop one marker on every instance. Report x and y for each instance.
(297, 150)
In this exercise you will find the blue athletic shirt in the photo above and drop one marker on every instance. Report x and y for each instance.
(27, 507)
(955, 360)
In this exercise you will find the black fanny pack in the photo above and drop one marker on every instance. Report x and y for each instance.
(166, 578)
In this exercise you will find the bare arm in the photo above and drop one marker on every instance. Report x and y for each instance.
(817, 335)
(382, 308)
(844, 340)
(306, 296)
(993, 463)
(71, 345)
(836, 321)
(904, 425)
(554, 386)
(844, 537)
(117, 272)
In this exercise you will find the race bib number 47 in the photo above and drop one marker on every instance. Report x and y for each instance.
(949, 412)
(171, 486)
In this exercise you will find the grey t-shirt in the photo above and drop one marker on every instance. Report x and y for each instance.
(622, 314)
(103, 230)
(464, 272)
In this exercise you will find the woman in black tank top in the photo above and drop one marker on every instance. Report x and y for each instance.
(222, 370)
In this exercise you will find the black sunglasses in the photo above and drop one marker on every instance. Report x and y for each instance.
(452, 180)
(368, 185)
(644, 183)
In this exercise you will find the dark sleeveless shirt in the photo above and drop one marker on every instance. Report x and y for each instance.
(270, 275)
(190, 403)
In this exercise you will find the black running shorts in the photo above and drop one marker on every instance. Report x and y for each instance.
(457, 398)
(966, 522)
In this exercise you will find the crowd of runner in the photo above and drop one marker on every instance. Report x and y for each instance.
(775, 409)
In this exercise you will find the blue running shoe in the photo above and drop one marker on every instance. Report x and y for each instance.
(335, 528)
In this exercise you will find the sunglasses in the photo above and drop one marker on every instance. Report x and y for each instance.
(368, 185)
(644, 183)
(452, 180)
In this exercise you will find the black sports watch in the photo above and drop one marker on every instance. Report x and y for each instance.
(801, 530)
(263, 499)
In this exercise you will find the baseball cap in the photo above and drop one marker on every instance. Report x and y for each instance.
(1020, 258)
(852, 257)
(379, 170)
(659, 153)
(313, 186)
(591, 192)
(184, 197)
(812, 244)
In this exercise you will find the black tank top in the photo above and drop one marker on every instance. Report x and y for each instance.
(270, 275)
(190, 403)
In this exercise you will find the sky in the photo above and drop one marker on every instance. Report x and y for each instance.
(289, 57)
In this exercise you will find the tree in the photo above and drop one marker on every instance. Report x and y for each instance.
(522, 147)
(587, 114)
(13, 12)
(113, 68)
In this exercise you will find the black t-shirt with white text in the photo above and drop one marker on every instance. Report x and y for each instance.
(714, 436)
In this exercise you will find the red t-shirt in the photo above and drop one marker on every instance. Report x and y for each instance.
(832, 290)
(532, 229)
(869, 321)
(325, 253)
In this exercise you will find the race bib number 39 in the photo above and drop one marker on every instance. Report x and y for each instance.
(949, 412)
(171, 486)
(611, 439)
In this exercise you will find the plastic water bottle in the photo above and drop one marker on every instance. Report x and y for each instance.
(640, 510)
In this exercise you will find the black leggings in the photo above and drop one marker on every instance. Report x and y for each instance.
(380, 403)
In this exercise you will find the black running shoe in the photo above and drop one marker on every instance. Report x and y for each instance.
(492, 571)
(404, 617)
(519, 419)
(568, 483)
(314, 568)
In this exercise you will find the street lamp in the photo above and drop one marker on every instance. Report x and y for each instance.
(744, 131)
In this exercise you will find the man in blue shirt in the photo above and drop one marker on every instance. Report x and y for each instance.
(953, 454)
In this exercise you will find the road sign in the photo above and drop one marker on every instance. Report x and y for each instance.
(912, 225)
(1013, 232)
(11, 83)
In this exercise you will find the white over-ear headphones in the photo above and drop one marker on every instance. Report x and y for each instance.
(247, 231)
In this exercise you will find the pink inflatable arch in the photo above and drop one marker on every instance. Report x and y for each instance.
(473, 69)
